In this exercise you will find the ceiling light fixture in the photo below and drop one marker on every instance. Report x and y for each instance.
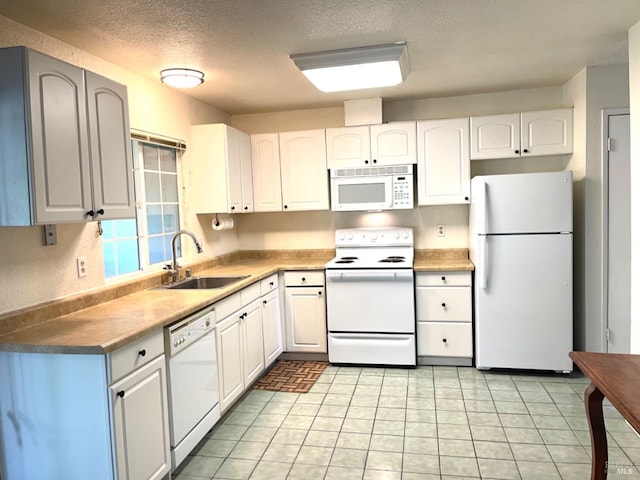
(355, 68)
(182, 77)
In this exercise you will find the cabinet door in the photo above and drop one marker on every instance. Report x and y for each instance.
(230, 370)
(265, 167)
(394, 143)
(305, 178)
(495, 136)
(141, 423)
(348, 147)
(234, 170)
(110, 142)
(246, 180)
(59, 142)
(253, 354)
(306, 319)
(548, 132)
(443, 162)
(271, 327)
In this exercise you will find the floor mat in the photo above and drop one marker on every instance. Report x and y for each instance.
(291, 376)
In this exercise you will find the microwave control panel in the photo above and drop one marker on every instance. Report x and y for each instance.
(403, 191)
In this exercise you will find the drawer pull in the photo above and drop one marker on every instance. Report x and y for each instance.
(444, 305)
(264, 302)
(120, 393)
(304, 279)
(320, 292)
(444, 340)
(142, 352)
(444, 279)
(271, 284)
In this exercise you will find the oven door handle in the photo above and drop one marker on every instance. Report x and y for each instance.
(358, 276)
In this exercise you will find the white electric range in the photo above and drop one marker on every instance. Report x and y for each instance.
(370, 297)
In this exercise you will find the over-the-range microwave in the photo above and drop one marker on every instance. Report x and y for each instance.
(372, 188)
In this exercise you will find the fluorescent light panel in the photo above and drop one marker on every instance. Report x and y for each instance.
(355, 68)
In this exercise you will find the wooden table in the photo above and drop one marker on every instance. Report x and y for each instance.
(617, 377)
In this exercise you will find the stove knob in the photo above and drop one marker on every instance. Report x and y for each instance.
(397, 235)
(341, 236)
(374, 236)
(349, 236)
(406, 234)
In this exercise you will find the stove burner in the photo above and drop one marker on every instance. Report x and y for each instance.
(396, 257)
(392, 259)
(344, 261)
(348, 258)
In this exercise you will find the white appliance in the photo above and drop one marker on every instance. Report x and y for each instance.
(372, 188)
(370, 297)
(192, 371)
(521, 244)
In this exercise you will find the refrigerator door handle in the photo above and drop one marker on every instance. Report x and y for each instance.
(482, 221)
(483, 255)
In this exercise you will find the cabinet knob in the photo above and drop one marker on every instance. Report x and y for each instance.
(444, 279)
(264, 302)
(271, 284)
(444, 305)
(320, 292)
(120, 393)
(366, 162)
(285, 207)
(100, 212)
(444, 340)
(246, 207)
(233, 207)
(517, 151)
(375, 161)
(142, 352)
(304, 279)
(525, 151)
(90, 213)
(466, 198)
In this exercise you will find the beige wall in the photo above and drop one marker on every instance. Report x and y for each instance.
(634, 101)
(32, 273)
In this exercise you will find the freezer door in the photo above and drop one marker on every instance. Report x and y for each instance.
(524, 303)
(523, 203)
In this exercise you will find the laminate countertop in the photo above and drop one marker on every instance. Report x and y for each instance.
(105, 327)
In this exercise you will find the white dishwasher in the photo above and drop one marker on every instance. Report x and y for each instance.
(192, 371)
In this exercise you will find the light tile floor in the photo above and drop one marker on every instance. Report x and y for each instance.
(409, 424)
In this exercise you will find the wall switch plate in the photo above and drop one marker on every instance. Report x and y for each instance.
(82, 266)
(441, 231)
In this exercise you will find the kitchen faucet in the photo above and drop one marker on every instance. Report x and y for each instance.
(174, 268)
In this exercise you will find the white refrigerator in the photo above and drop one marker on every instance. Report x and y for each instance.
(521, 243)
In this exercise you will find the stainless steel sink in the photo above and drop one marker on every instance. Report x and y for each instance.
(199, 283)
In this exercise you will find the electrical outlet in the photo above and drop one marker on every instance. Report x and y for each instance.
(81, 262)
(441, 231)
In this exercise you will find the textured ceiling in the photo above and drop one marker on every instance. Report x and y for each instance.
(455, 47)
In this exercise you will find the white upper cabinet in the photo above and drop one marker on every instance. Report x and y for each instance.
(265, 167)
(110, 143)
(443, 162)
(548, 132)
(304, 174)
(384, 144)
(60, 126)
(221, 169)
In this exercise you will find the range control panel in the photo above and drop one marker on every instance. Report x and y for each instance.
(383, 236)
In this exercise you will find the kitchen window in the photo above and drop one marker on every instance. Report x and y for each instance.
(137, 244)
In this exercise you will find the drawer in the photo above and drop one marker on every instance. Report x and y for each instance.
(443, 304)
(440, 279)
(250, 293)
(443, 339)
(304, 279)
(268, 284)
(227, 306)
(134, 355)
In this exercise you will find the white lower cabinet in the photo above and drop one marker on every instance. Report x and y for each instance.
(271, 327)
(140, 423)
(305, 312)
(103, 417)
(249, 337)
(443, 314)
